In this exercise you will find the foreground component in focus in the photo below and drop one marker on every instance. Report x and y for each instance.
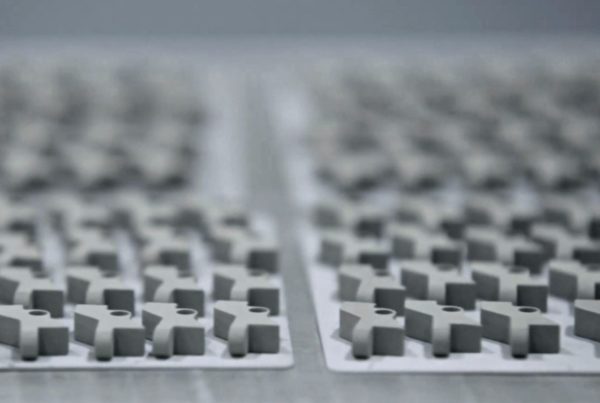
(445, 327)
(371, 330)
(247, 329)
(20, 286)
(33, 331)
(172, 330)
(524, 328)
(166, 284)
(234, 282)
(587, 319)
(362, 283)
(573, 280)
(110, 332)
(444, 284)
(89, 285)
(499, 282)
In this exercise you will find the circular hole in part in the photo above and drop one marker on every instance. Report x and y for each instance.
(528, 309)
(258, 309)
(38, 312)
(185, 311)
(382, 311)
(451, 309)
(119, 313)
(380, 273)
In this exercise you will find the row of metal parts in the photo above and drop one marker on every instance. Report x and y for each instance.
(374, 331)
(72, 90)
(99, 154)
(399, 163)
(163, 234)
(511, 310)
(483, 244)
(159, 229)
(484, 227)
(172, 330)
(90, 285)
(376, 128)
(162, 231)
(97, 126)
(489, 281)
(478, 88)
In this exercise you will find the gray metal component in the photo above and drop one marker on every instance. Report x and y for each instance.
(33, 331)
(145, 234)
(82, 213)
(432, 214)
(570, 279)
(339, 247)
(523, 328)
(136, 211)
(26, 170)
(362, 283)
(445, 327)
(173, 330)
(20, 286)
(234, 282)
(166, 284)
(23, 256)
(102, 253)
(489, 244)
(587, 319)
(416, 242)
(207, 215)
(247, 329)
(223, 238)
(371, 330)
(425, 281)
(418, 171)
(162, 171)
(566, 211)
(257, 253)
(351, 173)
(85, 235)
(489, 210)
(110, 332)
(88, 168)
(234, 244)
(12, 240)
(501, 282)
(19, 219)
(562, 244)
(175, 251)
(362, 219)
(89, 285)
(486, 170)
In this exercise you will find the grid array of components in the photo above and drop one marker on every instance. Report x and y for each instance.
(95, 126)
(113, 254)
(452, 213)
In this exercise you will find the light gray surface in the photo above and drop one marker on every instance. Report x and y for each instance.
(292, 17)
(309, 380)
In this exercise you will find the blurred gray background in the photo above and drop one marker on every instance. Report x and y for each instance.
(174, 18)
